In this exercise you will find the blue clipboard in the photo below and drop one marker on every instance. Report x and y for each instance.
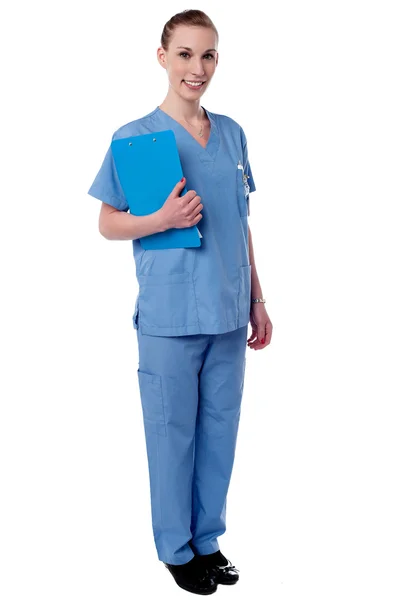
(148, 168)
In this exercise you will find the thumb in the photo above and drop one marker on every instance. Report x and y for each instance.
(180, 184)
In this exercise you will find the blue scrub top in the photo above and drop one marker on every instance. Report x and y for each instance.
(187, 291)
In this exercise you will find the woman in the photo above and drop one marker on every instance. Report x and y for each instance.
(193, 308)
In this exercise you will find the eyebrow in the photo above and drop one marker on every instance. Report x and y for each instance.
(186, 48)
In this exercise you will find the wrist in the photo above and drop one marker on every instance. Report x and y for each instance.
(160, 221)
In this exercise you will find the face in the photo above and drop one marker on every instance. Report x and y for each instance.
(192, 57)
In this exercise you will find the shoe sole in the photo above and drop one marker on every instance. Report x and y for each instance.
(187, 589)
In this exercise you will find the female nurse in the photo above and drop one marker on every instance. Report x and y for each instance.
(193, 308)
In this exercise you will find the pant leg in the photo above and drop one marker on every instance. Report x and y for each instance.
(221, 381)
(168, 382)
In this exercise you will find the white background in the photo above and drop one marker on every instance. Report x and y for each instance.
(312, 507)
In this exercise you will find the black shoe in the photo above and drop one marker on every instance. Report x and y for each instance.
(193, 577)
(220, 568)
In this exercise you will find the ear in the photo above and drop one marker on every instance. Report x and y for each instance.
(161, 56)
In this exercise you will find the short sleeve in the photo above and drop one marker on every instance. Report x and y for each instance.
(106, 185)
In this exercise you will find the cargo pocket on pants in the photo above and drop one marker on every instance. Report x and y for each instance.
(152, 402)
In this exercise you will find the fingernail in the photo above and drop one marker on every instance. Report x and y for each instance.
(182, 179)
(263, 341)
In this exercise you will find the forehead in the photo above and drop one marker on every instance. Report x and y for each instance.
(197, 38)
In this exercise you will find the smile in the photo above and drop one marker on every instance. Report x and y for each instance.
(193, 84)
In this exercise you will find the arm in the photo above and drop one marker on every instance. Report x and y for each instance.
(115, 224)
(260, 322)
(256, 290)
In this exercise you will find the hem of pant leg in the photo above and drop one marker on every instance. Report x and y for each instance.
(190, 556)
(206, 547)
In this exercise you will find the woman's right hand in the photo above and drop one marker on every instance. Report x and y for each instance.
(181, 211)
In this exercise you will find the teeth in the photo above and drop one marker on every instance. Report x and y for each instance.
(193, 83)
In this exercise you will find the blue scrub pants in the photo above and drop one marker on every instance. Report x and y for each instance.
(191, 388)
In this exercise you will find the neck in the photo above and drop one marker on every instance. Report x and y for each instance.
(178, 108)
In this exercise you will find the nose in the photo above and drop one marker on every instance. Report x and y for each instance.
(197, 68)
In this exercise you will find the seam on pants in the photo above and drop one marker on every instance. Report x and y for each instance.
(159, 479)
(163, 403)
(206, 452)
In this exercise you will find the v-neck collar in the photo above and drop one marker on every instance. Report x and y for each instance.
(212, 145)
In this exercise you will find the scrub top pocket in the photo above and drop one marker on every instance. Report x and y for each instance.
(136, 314)
(167, 300)
(242, 193)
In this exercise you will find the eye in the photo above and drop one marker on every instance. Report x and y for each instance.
(186, 53)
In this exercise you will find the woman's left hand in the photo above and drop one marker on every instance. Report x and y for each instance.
(261, 327)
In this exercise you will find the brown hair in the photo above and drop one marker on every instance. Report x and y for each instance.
(193, 18)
